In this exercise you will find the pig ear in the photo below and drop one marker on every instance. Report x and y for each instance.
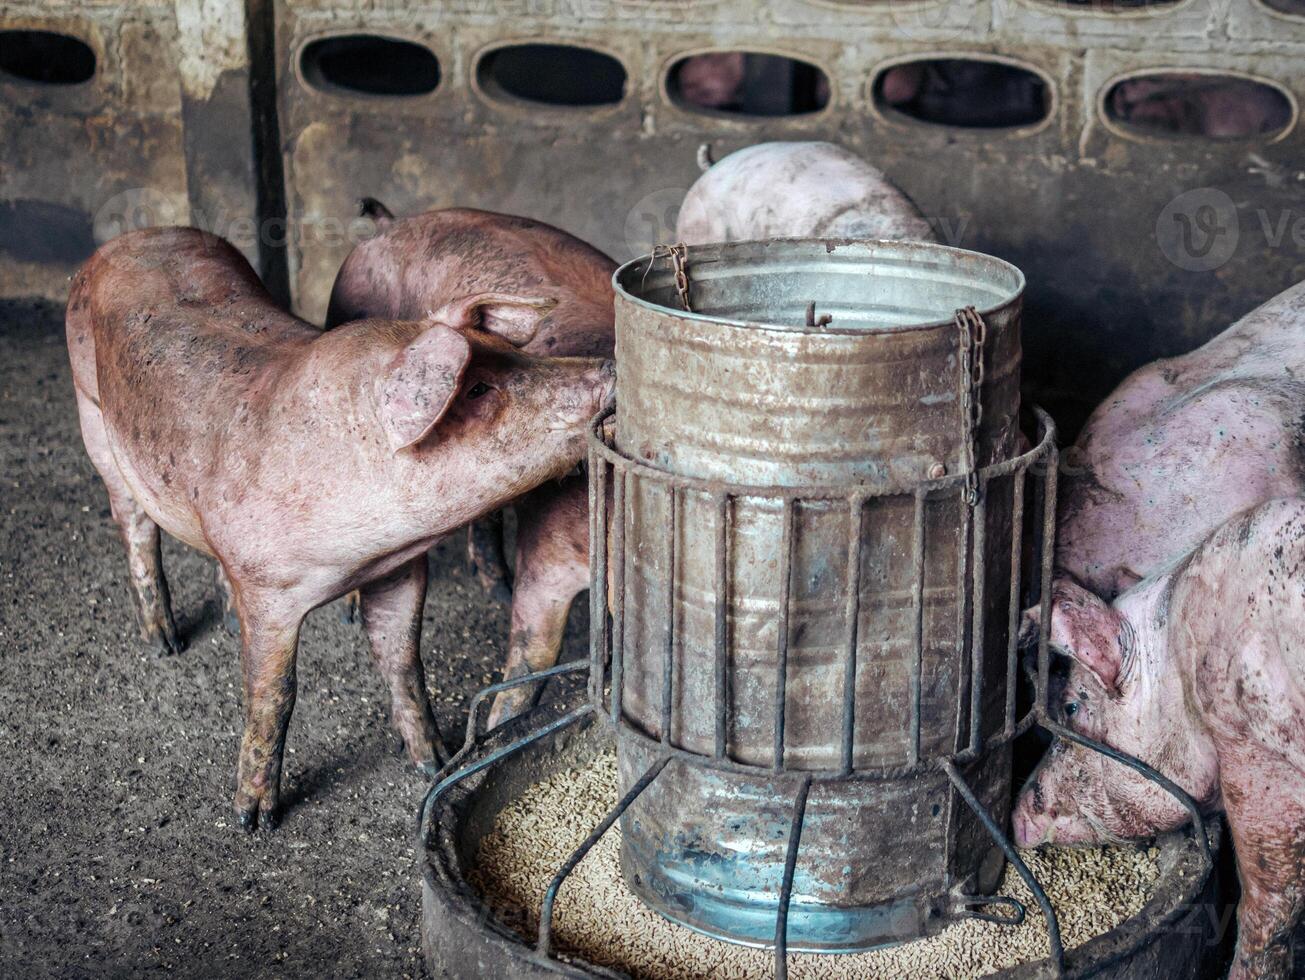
(420, 384)
(1030, 625)
(1087, 629)
(514, 318)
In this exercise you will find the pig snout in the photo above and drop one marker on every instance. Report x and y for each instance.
(591, 393)
(1043, 815)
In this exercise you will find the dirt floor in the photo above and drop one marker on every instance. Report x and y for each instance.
(118, 852)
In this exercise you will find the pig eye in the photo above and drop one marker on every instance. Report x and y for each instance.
(476, 390)
(1071, 709)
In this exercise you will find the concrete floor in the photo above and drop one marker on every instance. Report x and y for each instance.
(118, 852)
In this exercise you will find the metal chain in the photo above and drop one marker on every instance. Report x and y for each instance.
(973, 332)
(677, 253)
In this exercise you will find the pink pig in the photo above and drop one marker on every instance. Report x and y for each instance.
(1201, 105)
(308, 463)
(796, 190)
(406, 269)
(1182, 445)
(1199, 671)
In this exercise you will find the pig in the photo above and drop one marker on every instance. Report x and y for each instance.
(711, 80)
(1182, 445)
(1199, 105)
(308, 463)
(409, 266)
(747, 84)
(796, 190)
(1198, 670)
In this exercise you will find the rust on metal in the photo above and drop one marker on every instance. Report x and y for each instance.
(802, 591)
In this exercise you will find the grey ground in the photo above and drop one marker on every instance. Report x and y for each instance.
(118, 853)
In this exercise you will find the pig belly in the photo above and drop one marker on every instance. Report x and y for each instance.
(178, 520)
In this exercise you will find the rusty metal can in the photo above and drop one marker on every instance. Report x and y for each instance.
(800, 591)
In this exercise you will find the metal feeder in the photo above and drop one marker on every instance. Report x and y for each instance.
(809, 516)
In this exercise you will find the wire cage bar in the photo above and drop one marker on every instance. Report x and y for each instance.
(608, 467)
(650, 731)
(810, 547)
(612, 476)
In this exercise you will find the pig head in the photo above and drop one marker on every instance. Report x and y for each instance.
(1119, 690)
(1199, 671)
(796, 190)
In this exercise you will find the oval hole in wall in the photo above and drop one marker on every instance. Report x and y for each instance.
(1191, 104)
(46, 57)
(367, 64)
(1295, 8)
(966, 92)
(553, 75)
(1111, 6)
(747, 83)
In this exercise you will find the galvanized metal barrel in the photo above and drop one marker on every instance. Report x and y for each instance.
(810, 582)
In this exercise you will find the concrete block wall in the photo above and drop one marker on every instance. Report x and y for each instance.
(77, 153)
(1077, 201)
(163, 131)
(202, 111)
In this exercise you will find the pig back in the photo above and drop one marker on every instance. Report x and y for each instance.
(791, 190)
(186, 339)
(1182, 445)
(418, 264)
(181, 324)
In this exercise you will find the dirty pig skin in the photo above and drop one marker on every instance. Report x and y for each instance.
(308, 463)
(408, 268)
(1182, 445)
(796, 190)
(1198, 670)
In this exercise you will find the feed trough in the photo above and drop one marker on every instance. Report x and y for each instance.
(810, 512)
(468, 932)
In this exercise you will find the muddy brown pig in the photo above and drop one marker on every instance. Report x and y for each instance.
(308, 463)
(1199, 671)
(1182, 445)
(409, 266)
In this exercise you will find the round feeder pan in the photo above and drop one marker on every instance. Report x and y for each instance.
(462, 937)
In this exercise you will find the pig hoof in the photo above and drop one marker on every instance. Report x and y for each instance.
(269, 820)
(231, 622)
(349, 611)
(248, 820)
(500, 592)
(166, 644)
(430, 769)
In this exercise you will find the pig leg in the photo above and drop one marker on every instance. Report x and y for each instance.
(349, 611)
(270, 640)
(230, 618)
(139, 534)
(552, 569)
(485, 555)
(1265, 801)
(391, 612)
